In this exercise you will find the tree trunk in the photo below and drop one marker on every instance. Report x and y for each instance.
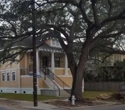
(73, 83)
(78, 85)
(79, 73)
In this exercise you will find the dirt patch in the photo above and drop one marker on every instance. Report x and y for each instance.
(78, 104)
(11, 104)
(111, 97)
(8, 102)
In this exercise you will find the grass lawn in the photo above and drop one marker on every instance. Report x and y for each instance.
(94, 94)
(29, 97)
(25, 97)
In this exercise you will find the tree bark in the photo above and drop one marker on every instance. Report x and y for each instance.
(73, 83)
(78, 77)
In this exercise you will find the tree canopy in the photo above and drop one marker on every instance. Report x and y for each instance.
(93, 24)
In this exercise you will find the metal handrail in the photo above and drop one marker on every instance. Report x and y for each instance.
(52, 81)
(55, 76)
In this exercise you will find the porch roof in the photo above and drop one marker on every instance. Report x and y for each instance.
(46, 47)
(27, 43)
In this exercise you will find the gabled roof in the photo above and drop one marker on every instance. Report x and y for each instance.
(27, 42)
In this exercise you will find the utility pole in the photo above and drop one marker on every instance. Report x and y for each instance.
(34, 55)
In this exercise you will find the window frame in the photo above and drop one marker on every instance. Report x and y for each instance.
(12, 75)
(8, 74)
(4, 76)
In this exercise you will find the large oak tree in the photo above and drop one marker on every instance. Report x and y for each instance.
(91, 24)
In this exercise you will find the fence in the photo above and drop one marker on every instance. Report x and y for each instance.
(103, 86)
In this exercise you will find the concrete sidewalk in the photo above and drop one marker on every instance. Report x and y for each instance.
(43, 106)
(27, 105)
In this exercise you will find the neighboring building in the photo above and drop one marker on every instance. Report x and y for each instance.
(109, 61)
(53, 75)
(102, 60)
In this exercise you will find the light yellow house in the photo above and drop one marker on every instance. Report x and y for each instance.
(53, 74)
(110, 60)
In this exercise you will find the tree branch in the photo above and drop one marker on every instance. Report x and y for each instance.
(83, 13)
(113, 18)
(110, 8)
(95, 12)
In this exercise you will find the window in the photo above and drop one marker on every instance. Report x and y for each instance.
(45, 61)
(13, 76)
(55, 43)
(57, 61)
(8, 76)
(3, 76)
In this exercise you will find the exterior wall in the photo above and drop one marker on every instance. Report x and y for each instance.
(59, 71)
(59, 82)
(48, 41)
(67, 80)
(26, 81)
(10, 83)
(22, 62)
(114, 58)
(42, 84)
(69, 72)
(24, 65)
(10, 67)
(109, 61)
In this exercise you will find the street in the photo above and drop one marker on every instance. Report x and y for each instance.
(107, 107)
(111, 107)
(1, 108)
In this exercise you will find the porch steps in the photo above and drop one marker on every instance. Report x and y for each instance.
(50, 84)
(63, 91)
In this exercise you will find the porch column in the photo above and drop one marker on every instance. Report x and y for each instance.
(37, 62)
(52, 62)
(66, 65)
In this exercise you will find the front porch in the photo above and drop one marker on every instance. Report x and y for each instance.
(55, 61)
(52, 71)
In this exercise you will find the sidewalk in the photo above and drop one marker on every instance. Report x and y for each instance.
(43, 106)
(27, 105)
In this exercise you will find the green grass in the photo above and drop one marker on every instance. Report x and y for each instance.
(25, 97)
(94, 94)
(29, 97)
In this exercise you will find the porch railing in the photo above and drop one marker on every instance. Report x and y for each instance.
(53, 76)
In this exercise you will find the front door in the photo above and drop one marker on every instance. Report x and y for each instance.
(45, 61)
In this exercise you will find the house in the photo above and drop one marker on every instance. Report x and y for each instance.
(53, 75)
(103, 60)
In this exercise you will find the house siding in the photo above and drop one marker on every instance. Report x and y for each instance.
(59, 71)
(42, 84)
(67, 80)
(10, 83)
